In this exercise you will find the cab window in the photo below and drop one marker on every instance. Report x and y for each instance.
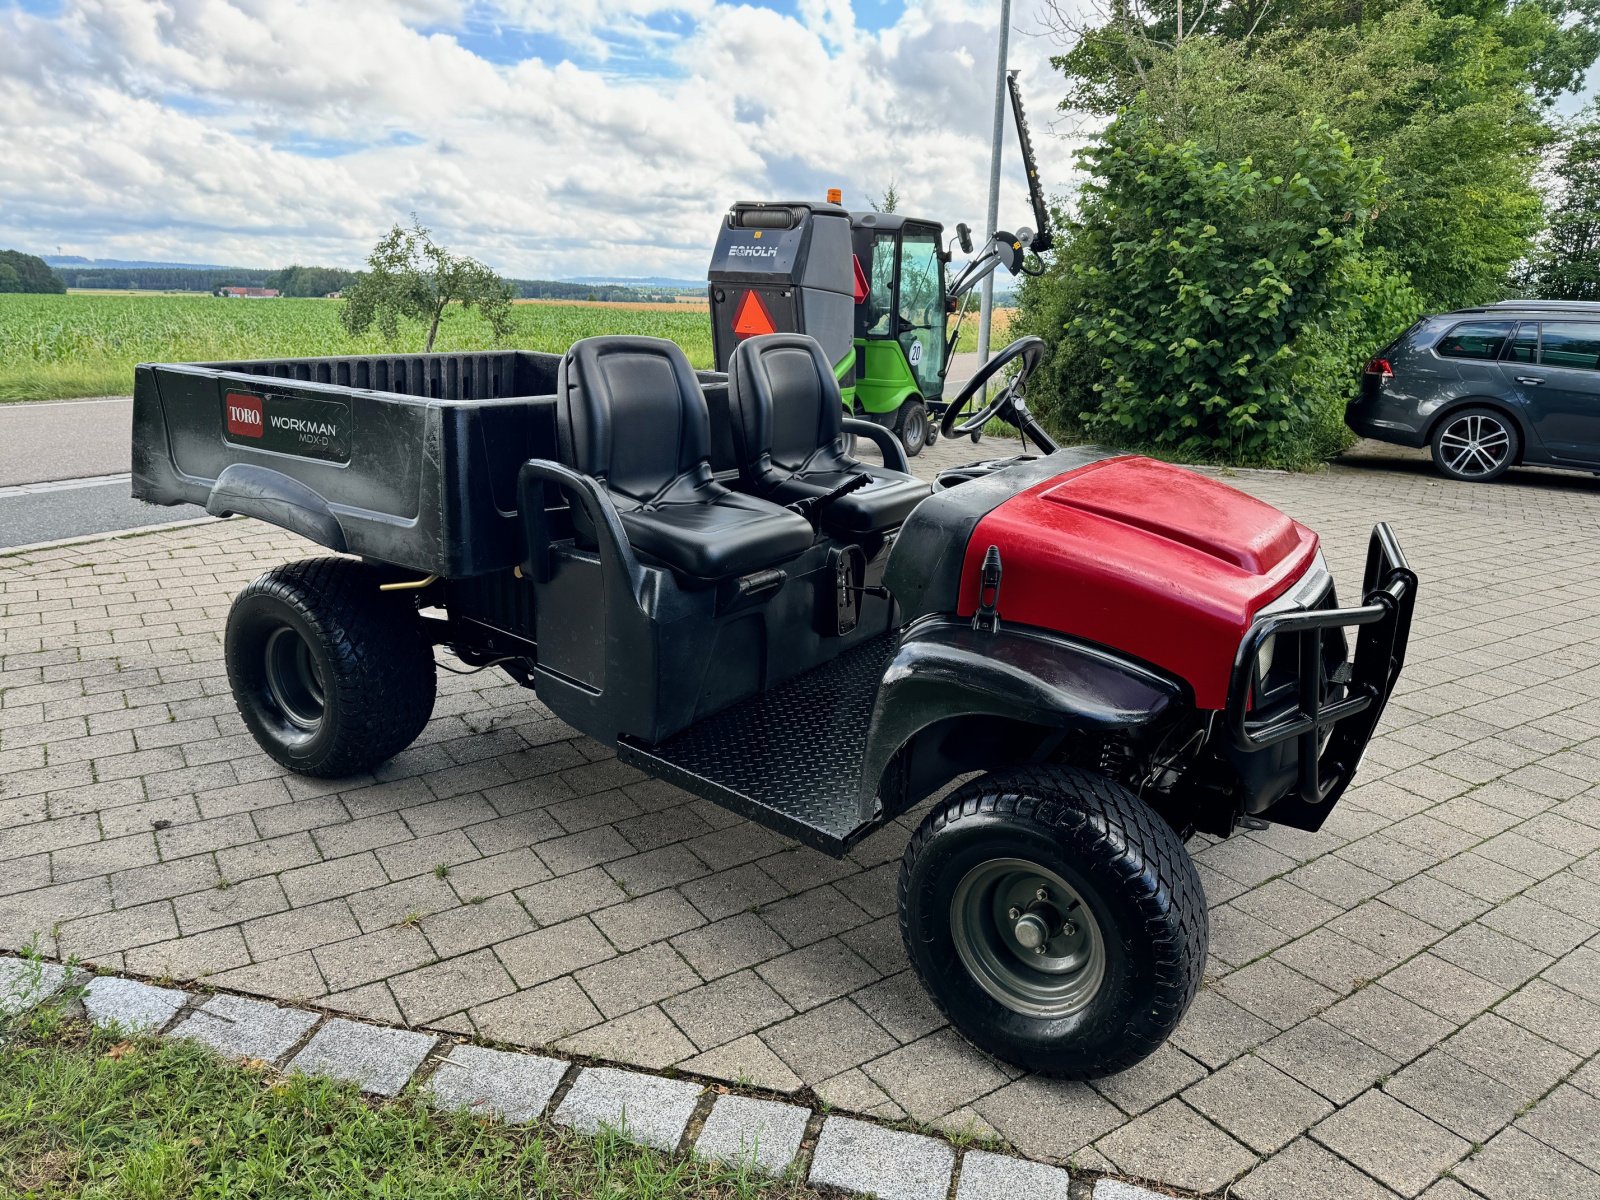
(1475, 339)
(1573, 344)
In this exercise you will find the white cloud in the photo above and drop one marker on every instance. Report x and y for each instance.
(259, 132)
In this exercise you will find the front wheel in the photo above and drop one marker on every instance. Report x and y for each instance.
(331, 675)
(1055, 919)
(911, 427)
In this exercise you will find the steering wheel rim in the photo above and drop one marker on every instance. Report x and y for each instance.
(1029, 349)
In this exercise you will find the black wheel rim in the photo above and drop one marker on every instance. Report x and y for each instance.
(1027, 937)
(294, 680)
(1475, 445)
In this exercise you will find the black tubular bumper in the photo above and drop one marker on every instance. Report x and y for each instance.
(1335, 706)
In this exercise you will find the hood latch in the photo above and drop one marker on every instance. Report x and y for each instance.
(987, 618)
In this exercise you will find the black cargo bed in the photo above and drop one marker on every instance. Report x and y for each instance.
(790, 758)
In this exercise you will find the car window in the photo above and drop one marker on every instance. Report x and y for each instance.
(1571, 344)
(1525, 346)
(1475, 339)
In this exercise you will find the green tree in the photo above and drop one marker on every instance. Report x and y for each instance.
(890, 200)
(1213, 293)
(21, 272)
(410, 277)
(1566, 265)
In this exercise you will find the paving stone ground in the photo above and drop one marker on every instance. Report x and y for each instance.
(1413, 991)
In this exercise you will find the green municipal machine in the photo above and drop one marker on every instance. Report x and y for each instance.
(871, 287)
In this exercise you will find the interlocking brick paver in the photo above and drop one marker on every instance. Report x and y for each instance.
(1393, 1143)
(1175, 1144)
(1257, 1103)
(1459, 877)
(986, 1176)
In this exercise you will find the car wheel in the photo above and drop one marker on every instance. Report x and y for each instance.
(331, 675)
(1055, 919)
(911, 427)
(1475, 445)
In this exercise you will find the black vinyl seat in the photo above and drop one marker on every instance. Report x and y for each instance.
(787, 421)
(630, 414)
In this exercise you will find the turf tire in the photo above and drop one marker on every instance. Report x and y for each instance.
(1131, 870)
(373, 666)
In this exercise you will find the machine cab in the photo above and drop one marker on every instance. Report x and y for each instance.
(900, 325)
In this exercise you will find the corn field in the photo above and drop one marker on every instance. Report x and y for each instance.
(53, 347)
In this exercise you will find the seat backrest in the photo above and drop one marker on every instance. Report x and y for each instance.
(783, 403)
(630, 411)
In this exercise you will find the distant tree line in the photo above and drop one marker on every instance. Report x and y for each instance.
(21, 272)
(307, 281)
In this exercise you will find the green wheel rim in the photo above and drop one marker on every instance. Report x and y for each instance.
(1027, 938)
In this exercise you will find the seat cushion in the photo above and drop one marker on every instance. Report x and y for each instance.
(882, 505)
(719, 535)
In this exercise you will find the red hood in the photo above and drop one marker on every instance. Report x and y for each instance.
(1149, 559)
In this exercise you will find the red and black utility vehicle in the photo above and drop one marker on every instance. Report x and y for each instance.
(1110, 652)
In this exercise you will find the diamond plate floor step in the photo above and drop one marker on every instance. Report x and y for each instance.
(790, 758)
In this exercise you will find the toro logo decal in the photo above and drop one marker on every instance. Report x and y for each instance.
(244, 415)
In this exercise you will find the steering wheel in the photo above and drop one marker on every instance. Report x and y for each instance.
(1028, 350)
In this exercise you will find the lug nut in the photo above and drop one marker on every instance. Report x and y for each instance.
(1013, 912)
(1039, 949)
(1041, 894)
(1068, 929)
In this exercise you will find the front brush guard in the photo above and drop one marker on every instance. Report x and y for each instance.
(1389, 593)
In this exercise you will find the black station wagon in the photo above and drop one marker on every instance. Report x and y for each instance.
(1514, 383)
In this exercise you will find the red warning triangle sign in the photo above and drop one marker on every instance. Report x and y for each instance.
(752, 317)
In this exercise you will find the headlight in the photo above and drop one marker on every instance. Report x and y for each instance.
(1264, 658)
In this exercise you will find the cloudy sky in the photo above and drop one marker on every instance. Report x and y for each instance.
(547, 137)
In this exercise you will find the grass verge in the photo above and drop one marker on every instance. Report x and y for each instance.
(88, 1113)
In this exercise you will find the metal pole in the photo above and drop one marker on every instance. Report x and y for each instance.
(986, 311)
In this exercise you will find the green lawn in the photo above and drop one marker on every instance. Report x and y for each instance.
(53, 347)
(87, 1114)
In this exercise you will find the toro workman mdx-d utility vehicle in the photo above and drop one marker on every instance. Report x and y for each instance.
(1108, 652)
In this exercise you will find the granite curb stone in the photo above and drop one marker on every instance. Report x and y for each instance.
(501, 1083)
(986, 1176)
(130, 1005)
(373, 1057)
(650, 1110)
(888, 1163)
(763, 1134)
(24, 983)
(241, 1028)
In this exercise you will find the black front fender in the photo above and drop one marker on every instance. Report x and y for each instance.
(945, 669)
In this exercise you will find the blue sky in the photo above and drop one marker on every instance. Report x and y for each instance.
(546, 137)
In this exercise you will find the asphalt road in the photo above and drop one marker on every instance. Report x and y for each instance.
(64, 472)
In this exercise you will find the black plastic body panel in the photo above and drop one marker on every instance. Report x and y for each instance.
(925, 572)
(434, 441)
(945, 672)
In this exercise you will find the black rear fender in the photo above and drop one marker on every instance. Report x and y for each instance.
(957, 699)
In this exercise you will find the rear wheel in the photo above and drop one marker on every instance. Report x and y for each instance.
(911, 427)
(331, 675)
(1475, 445)
(1055, 919)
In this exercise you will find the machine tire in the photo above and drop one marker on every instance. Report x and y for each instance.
(911, 426)
(331, 675)
(1130, 874)
(1475, 445)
